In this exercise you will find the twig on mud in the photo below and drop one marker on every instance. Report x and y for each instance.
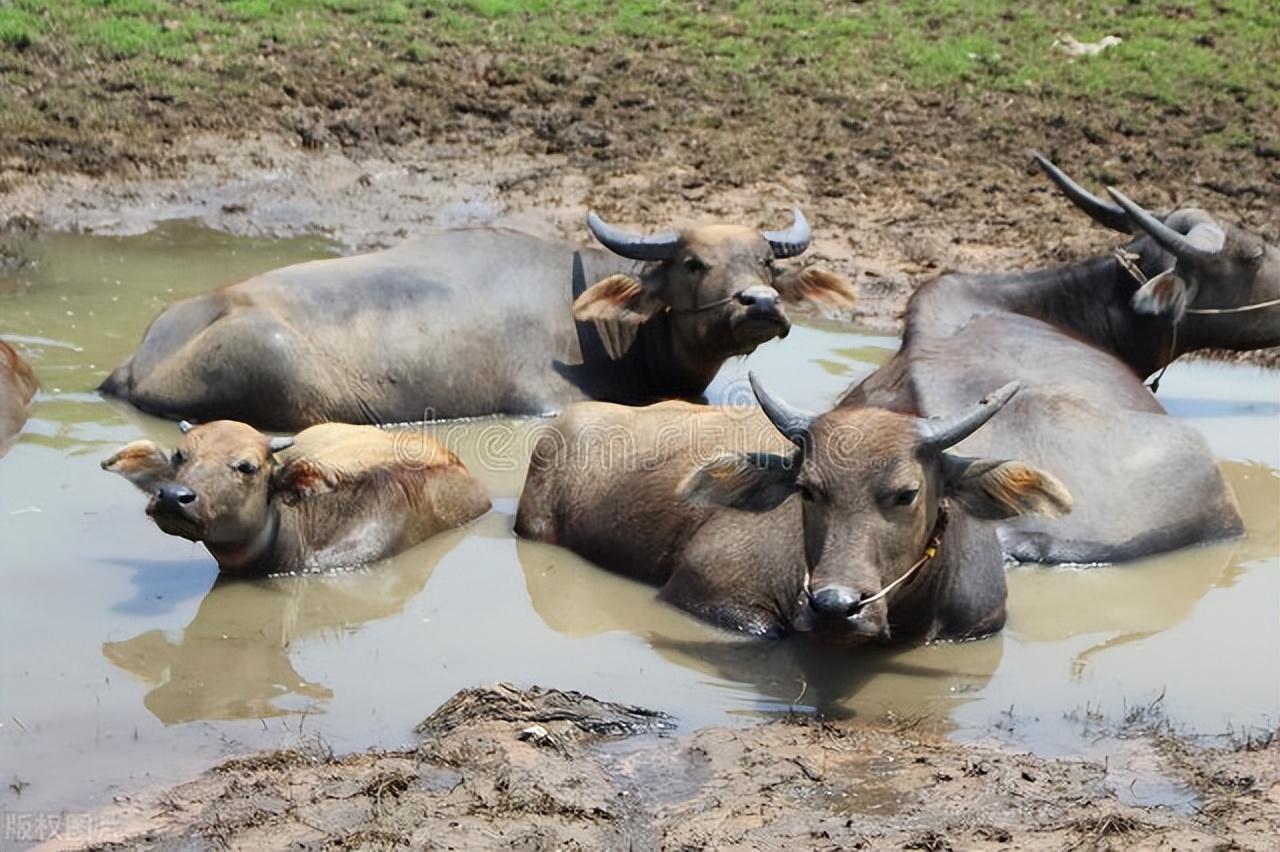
(809, 772)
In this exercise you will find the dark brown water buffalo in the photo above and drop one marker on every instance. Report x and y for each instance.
(473, 322)
(1080, 339)
(333, 497)
(17, 386)
(833, 523)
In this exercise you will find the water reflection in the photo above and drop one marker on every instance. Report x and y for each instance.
(233, 660)
(578, 599)
(1122, 604)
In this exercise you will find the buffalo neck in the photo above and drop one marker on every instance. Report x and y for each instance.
(671, 366)
(258, 555)
(1090, 300)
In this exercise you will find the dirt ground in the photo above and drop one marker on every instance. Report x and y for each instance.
(899, 186)
(499, 767)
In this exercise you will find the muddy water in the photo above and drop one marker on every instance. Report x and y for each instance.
(123, 663)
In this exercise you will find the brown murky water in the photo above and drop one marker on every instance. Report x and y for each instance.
(124, 664)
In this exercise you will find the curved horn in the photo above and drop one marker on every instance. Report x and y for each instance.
(633, 246)
(1103, 212)
(275, 445)
(791, 422)
(1204, 242)
(792, 241)
(184, 426)
(949, 431)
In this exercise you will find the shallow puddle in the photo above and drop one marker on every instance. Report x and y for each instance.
(123, 663)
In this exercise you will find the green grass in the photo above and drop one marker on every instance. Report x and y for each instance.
(1215, 51)
(1171, 48)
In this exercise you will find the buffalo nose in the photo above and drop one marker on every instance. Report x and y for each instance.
(173, 496)
(835, 602)
(759, 297)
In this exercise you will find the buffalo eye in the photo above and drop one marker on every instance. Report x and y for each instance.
(695, 266)
(248, 468)
(178, 457)
(905, 496)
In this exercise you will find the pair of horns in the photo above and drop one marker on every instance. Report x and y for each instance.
(275, 445)
(1204, 241)
(935, 433)
(788, 243)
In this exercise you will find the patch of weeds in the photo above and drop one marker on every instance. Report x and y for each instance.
(1108, 825)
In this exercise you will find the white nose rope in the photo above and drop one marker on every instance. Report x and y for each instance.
(930, 551)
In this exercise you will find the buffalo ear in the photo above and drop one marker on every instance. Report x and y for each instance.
(301, 479)
(812, 284)
(996, 490)
(142, 463)
(752, 482)
(617, 305)
(1164, 295)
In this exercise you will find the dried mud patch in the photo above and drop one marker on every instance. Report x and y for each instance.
(480, 779)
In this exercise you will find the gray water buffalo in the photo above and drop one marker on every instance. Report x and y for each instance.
(17, 386)
(1080, 339)
(474, 322)
(856, 524)
(335, 496)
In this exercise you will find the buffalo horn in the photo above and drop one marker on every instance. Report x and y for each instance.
(184, 426)
(1103, 212)
(275, 445)
(791, 422)
(948, 431)
(792, 241)
(1204, 242)
(633, 246)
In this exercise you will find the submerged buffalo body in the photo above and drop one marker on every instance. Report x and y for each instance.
(473, 322)
(17, 386)
(335, 496)
(1081, 339)
(769, 521)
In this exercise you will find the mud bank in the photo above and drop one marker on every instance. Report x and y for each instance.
(889, 238)
(500, 767)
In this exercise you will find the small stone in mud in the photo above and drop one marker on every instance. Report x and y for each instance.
(535, 734)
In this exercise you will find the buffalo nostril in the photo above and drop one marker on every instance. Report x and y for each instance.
(835, 602)
(758, 298)
(176, 495)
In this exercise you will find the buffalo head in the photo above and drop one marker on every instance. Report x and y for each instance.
(216, 487)
(1219, 282)
(872, 483)
(718, 283)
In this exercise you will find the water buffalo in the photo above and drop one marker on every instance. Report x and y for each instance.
(17, 386)
(1189, 281)
(856, 524)
(1080, 339)
(474, 322)
(334, 496)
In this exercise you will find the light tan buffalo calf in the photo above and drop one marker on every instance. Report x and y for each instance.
(334, 496)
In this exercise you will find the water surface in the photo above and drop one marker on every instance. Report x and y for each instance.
(124, 662)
